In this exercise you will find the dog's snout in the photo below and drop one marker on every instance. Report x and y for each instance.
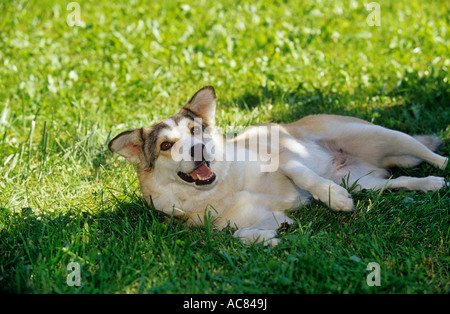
(197, 152)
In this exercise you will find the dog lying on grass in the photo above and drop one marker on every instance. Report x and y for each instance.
(185, 167)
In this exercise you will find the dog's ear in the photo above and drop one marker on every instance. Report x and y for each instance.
(129, 145)
(203, 104)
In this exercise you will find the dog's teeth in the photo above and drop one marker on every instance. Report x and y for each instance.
(198, 177)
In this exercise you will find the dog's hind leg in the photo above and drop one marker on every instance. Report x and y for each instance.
(429, 183)
(406, 161)
(373, 144)
(396, 148)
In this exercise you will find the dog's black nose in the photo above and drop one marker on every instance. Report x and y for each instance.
(197, 152)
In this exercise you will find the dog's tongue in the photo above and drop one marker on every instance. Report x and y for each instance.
(202, 172)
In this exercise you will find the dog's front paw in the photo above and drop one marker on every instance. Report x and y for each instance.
(253, 235)
(338, 199)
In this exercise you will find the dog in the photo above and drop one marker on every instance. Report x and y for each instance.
(186, 168)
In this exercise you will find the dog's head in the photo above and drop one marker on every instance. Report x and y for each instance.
(178, 148)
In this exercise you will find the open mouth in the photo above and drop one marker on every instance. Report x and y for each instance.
(201, 175)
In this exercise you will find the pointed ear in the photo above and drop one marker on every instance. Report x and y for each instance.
(203, 104)
(129, 145)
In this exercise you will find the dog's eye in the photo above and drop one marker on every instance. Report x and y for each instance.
(196, 130)
(166, 145)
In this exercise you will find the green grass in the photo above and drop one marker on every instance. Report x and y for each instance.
(67, 90)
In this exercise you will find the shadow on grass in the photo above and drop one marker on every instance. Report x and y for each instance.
(35, 248)
(416, 104)
(121, 236)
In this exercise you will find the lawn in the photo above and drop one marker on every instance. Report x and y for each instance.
(67, 90)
